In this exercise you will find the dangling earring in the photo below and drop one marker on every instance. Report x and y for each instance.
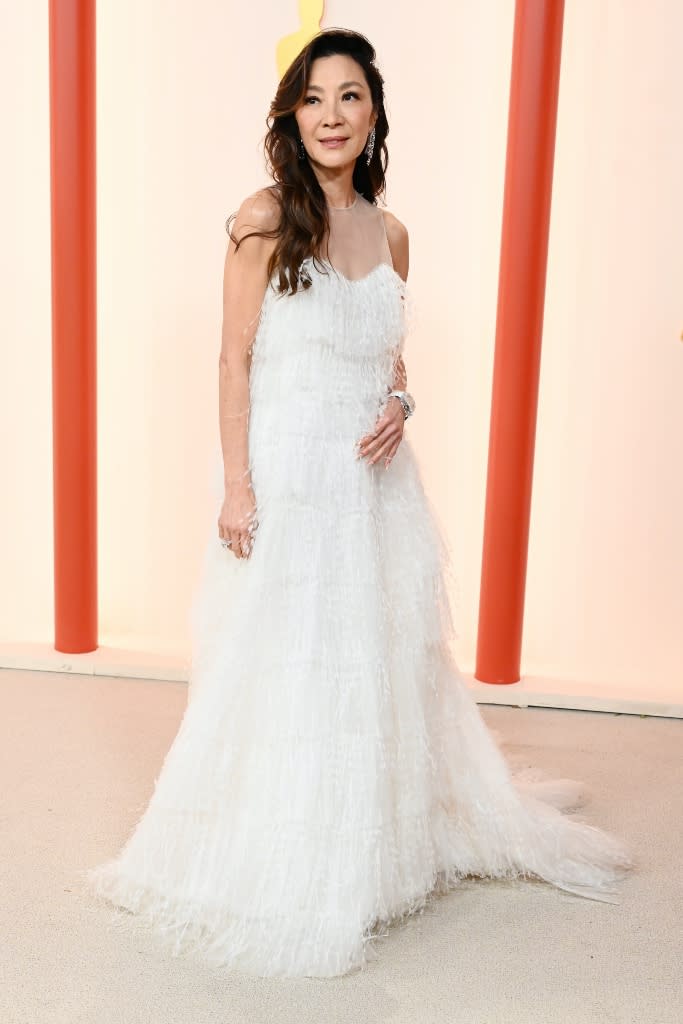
(369, 149)
(302, 151)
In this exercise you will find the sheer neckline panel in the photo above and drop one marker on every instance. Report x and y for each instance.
(357, 242)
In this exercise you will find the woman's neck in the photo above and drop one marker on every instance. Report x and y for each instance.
(339, 193)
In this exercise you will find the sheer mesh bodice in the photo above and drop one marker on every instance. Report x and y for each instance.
(357, 239)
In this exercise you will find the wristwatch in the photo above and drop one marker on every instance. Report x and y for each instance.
(406, 400)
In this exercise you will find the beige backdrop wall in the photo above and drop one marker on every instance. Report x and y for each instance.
(183, 93)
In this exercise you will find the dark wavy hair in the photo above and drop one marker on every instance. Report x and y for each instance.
(304, 220)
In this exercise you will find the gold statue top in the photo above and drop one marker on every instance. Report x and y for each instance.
(289, 47)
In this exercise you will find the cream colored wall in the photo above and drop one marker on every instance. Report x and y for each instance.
(182, 98)
(25, 346)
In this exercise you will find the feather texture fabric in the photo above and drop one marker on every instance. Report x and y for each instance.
(332, 772)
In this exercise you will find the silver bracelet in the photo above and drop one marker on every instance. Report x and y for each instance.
(407, 402)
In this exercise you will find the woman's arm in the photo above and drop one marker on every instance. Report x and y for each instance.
(400, 381)
(245, 279)
(397, 236)
(384, 440)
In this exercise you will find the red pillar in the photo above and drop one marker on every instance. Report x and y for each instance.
(532, 119)
(72, 178)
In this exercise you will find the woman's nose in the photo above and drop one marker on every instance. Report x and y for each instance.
(332, 117)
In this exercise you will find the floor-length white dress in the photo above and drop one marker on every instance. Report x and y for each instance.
(332, 771)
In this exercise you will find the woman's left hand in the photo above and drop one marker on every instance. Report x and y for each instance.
(387, 435)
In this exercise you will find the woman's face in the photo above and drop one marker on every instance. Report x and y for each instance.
(337, 105)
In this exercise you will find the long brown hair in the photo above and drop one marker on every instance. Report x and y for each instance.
(303, 209)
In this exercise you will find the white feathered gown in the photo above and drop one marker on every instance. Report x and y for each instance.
(331, 770)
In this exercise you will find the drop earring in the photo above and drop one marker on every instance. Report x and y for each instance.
(370, 148)
(302, 151)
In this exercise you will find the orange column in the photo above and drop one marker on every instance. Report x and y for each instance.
(72, 179)
(532, 119)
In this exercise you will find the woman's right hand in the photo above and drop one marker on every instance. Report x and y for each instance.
(237, 521)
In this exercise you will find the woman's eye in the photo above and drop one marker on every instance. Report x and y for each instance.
(314, 99)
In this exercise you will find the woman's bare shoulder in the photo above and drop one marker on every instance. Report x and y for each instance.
(397, 236)
(395, 227)
(259, 210)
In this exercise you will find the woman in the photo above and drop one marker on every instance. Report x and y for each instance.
(331, 772)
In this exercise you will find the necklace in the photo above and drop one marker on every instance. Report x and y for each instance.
(345, 207)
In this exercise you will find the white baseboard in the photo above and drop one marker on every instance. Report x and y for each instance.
(530, 691)
(547, 692)
(105, 661)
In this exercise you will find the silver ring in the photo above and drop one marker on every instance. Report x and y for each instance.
(226, 543)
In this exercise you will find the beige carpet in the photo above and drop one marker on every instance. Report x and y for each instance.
(79, 756)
